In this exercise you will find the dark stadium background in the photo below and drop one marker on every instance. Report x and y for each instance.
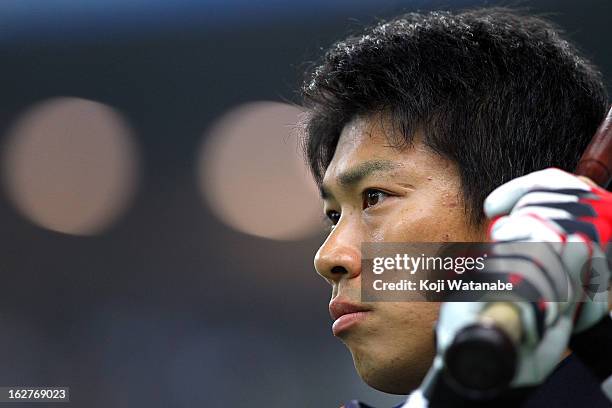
(167, 306)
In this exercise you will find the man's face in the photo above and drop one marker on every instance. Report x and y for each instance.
(374, 192)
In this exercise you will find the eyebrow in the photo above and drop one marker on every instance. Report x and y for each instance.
(356, 174)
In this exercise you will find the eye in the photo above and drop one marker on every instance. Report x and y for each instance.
(373, 197)
(333, 216)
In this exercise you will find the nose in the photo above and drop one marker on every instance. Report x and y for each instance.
(340, 255)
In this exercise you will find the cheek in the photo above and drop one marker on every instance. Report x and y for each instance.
(425, 220)
(403, 336)
(399, 330)
(415, 317)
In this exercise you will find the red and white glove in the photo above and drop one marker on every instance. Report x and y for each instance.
(558, 207)
(551, 226)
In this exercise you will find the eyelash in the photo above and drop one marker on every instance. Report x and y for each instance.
(333, 216)
(366, 195)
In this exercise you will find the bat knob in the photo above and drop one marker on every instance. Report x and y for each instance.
(481, 361)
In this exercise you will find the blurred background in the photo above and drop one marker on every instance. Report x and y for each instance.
(158, 225)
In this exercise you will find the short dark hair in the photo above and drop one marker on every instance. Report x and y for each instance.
(498, 92)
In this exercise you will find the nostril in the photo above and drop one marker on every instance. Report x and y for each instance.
(338, 269)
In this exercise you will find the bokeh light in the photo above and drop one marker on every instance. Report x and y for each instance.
(70, 165)
(252, 174)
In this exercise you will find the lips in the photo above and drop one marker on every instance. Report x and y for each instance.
(346, 314)
(339, 307)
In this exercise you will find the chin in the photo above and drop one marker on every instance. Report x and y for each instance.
(389, 371)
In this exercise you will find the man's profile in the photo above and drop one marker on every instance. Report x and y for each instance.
(412, 124)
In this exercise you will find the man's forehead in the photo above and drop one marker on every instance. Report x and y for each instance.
(364, 132)
(363, 146)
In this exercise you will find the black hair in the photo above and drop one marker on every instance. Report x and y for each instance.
(498, 92)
